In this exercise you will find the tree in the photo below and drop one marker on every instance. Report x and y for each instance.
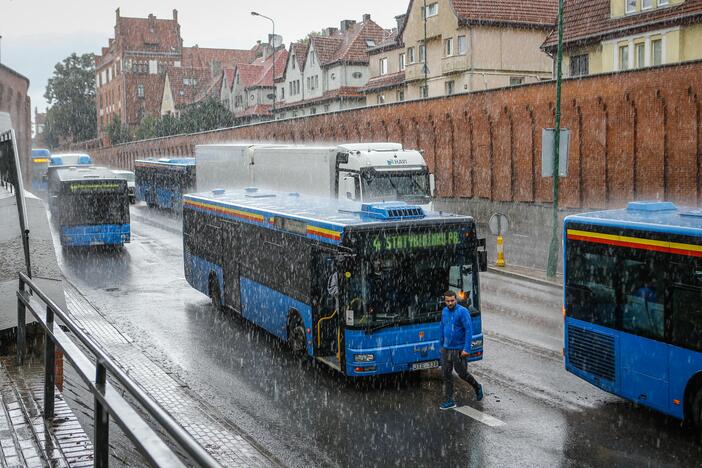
(71, 95)
(167, 125)
(208, 114)
(117, 133)
(147, 128)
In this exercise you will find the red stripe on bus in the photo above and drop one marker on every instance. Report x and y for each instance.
(689, 253)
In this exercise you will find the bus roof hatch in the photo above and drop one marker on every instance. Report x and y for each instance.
(392, 210)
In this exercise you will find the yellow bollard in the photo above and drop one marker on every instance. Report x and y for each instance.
(500, 252)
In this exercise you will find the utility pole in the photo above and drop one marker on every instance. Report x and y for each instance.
(425, 67)
(275, 89)
(553, 248)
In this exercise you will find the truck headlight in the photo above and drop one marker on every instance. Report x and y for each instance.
(476, 343)
(363, 357)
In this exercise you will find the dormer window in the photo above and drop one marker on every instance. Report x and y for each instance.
(293, 62)
(370, 42)
(630, 6)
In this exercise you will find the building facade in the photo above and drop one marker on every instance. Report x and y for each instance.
(131, 72)
(387, 63)
(14, 100)
(327, 73)
(619, 35)
(462, 46)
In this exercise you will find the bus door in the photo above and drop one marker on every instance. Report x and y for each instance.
(326, 295)
(229, 252)
(643, 353)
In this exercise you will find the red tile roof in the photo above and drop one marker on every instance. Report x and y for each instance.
(344, 93)
(228, 78)
(533, 13)
(203, 57)
(385, 81)
(299, 49)
(259, 110)
(350, 46)
(587, 21)
(188, 83)
(249, 74)
(265, 78)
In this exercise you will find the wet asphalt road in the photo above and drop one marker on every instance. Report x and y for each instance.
(307, 415)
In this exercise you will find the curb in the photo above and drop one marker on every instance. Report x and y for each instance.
(531, 279)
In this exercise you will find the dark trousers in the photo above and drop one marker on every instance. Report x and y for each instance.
(451, 359)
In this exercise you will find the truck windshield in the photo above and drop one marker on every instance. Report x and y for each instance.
(405, 288)
(394, 185)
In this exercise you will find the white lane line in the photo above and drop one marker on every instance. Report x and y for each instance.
(480, 416)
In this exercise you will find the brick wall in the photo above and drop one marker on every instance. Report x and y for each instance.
(635, 135)
(14, 100)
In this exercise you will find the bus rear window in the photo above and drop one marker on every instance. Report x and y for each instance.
(590, 289)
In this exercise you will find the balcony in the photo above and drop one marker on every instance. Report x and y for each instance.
(454, 64)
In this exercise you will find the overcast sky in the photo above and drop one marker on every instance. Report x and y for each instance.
(36, 34)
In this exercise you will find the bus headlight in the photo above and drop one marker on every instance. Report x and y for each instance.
(476, 343)
(363, 357)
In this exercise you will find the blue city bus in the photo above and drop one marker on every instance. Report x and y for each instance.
(71, 159)
(633, 304)
(358, 287)
(162, 183)
(89, 206)
(40, 163)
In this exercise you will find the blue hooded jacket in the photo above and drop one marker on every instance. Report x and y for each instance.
(456, 329)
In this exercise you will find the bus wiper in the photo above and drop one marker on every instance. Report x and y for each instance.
(380, 327)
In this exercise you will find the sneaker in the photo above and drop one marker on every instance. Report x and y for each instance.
(448, 404)
(479, 392)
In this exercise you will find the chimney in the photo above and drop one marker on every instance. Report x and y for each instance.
(117, 14)
(400, 21)
(366, 18)
(328, 32)
(175, 15)
(346, 25)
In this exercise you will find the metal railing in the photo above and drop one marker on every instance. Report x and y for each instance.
(108, 400)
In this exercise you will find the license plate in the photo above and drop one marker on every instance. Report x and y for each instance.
(424, 365)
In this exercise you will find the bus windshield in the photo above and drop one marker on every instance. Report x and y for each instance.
(391, 185)
(93, 208)
(404, 288)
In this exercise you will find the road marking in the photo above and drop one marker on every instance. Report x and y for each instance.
(480, 416)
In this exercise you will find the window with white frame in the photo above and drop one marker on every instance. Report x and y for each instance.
(292, 60)
(410, 55)
(400, 95)
(450, 85)
(424, 91)
(630, 6)
(639, 55)
(383, 66)
(422, 53)
(448, 47)
(140, 91)
(462, 45)
(381, 99)
(624, 57)
(663, 2)
(431, 10)
(402, 61)
(657, 52)
(646, 4)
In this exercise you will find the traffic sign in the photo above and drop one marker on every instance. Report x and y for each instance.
(499, 224)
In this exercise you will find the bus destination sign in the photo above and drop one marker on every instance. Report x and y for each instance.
(76, 187)
(416, 241)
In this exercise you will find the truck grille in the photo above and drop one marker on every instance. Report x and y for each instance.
(591, 352)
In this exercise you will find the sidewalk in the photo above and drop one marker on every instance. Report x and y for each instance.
(533, 275)
(25, 438)
(226, 443)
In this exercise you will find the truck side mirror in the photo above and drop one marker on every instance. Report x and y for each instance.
(482, 255)
(432, 185)
(350, 187)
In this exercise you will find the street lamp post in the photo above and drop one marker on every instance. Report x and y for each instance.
(553, 248)
(275, 89)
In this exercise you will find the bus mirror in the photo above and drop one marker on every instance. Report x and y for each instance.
(482, 260)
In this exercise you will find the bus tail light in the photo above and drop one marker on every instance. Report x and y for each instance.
(365, 369)
(563, 310)
(676, 402)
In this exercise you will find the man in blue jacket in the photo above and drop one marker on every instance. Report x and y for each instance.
(455, 337)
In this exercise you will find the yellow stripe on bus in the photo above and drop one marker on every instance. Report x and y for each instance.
(226, 210)
(636, 240)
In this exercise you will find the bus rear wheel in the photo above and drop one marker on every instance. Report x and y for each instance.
(697, 410)
(296, 334)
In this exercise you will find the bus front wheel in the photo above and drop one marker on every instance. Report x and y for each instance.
(296, 334)
(215, 294)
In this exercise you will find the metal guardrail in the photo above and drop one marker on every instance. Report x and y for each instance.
(108, 400)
